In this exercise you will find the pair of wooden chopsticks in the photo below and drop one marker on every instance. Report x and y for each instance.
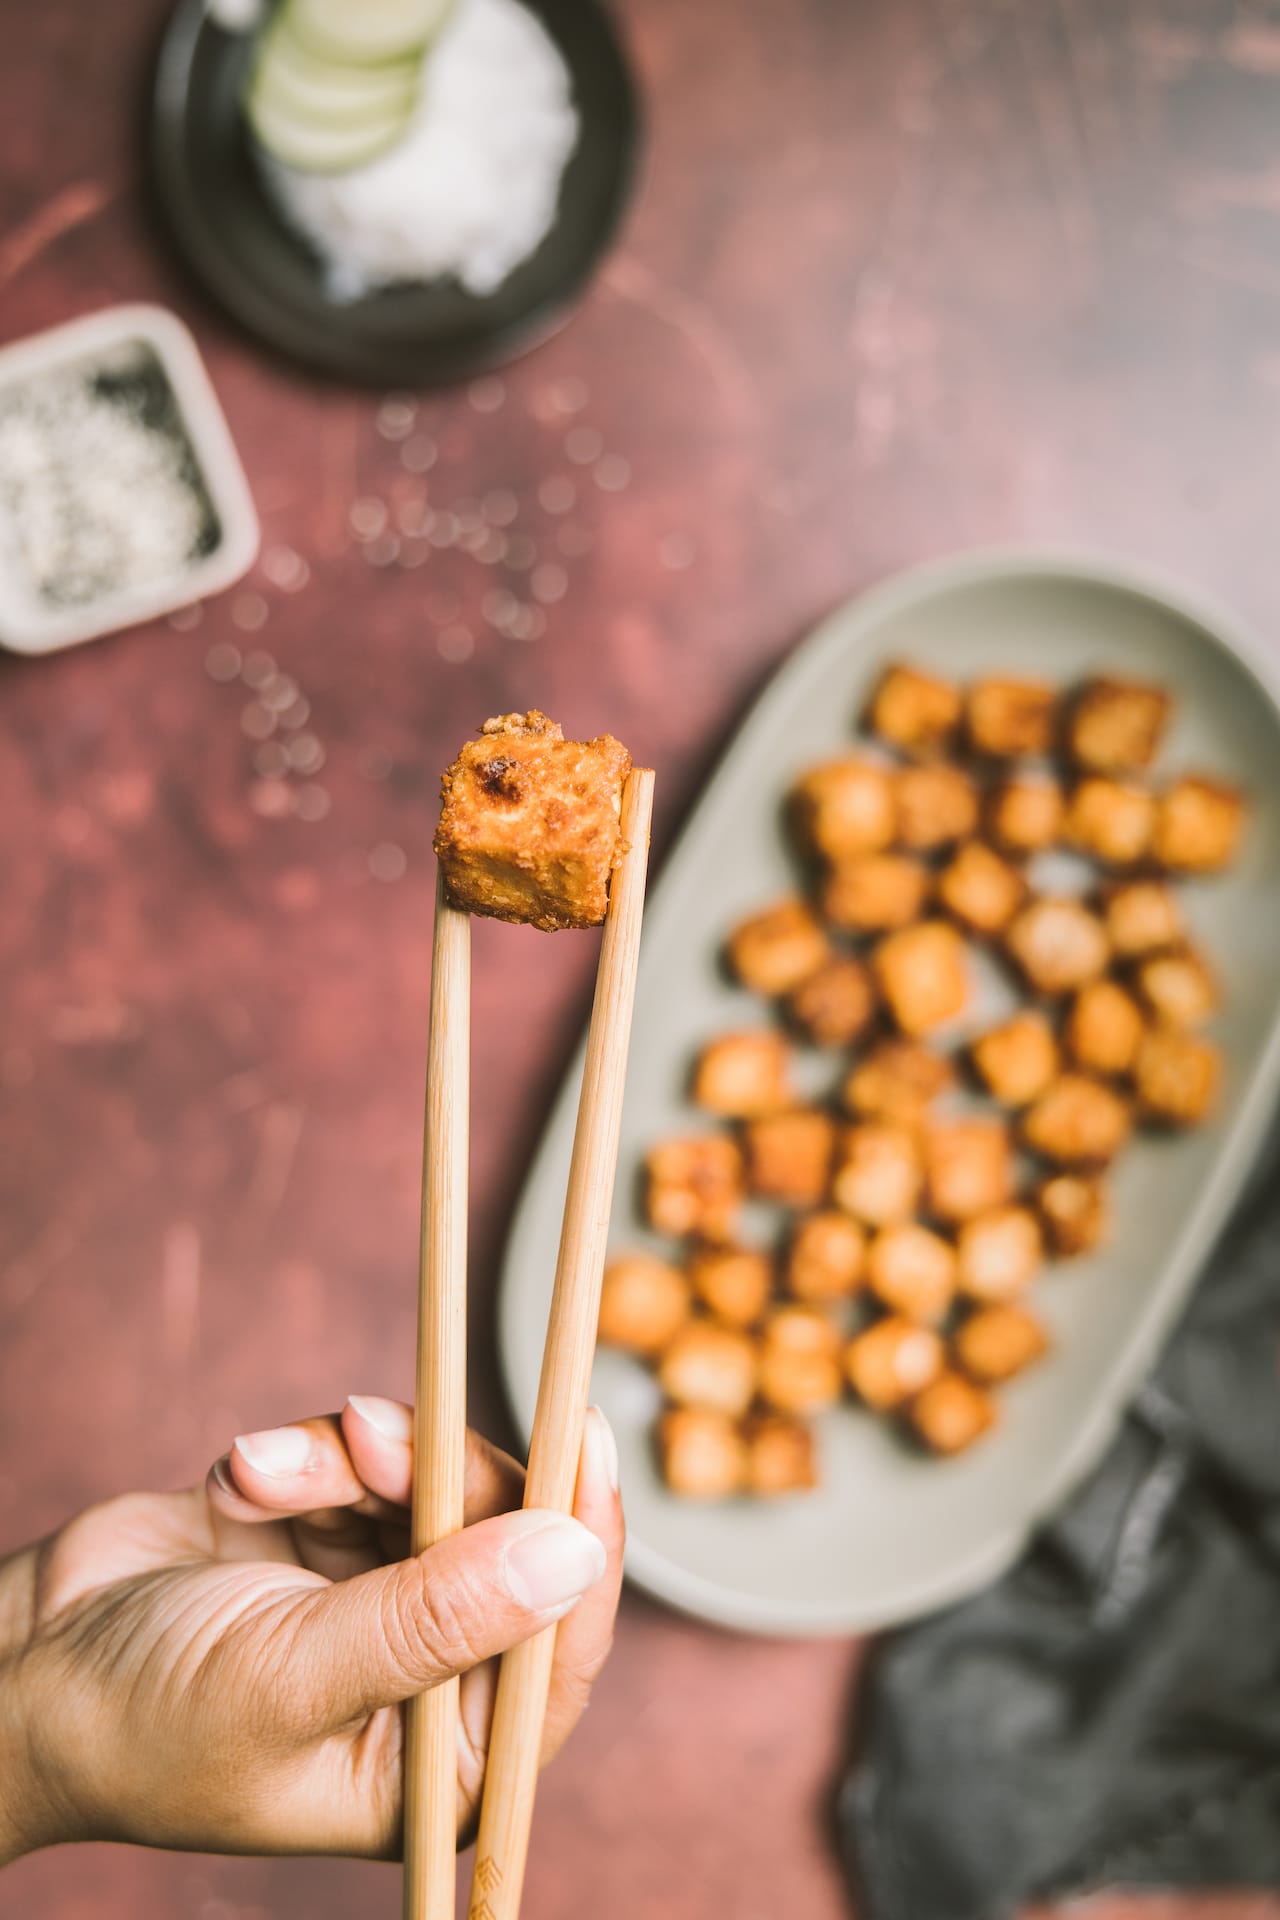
(440, 1431)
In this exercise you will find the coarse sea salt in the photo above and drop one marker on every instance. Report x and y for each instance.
(471, 189)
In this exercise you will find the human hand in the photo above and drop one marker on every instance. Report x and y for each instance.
(223, 1669)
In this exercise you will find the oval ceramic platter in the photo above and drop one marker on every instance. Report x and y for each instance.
(891, 1534)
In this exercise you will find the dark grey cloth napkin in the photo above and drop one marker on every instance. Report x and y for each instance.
(1108, 1713)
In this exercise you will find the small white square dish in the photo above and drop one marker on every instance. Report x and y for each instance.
(122, 495)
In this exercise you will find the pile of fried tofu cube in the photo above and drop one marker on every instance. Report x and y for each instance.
(914, 1222)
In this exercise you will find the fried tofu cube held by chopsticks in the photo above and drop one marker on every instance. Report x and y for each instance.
(710, 1366)
(1116, 726)
(1198, 825)
(875, 894)
(912, 1272)
(898, 1081)
(742, 1074)
(1078, 1122)
(878, 1175)
(892, 1361)
(703, 1455)
(999, 1254)
(1016, 1060)
(782, 1456)
(774, 950)
(788, 1156)
(529, 827)
(835, 1004)
(922, 975)
(1176, 1077)
(695, 1186)
(843, 808)
(1103, 1029)
(917, 712)
(968, 1165)
(980, 889)
(936, 805)
(1007, 719)
(1057, 944)
(733, 1283)
(1024, 814)
(951, 1413)
(995, 1343)
(799, 1364)
(644, 1302)
(1074, 1212)
(826, 1257)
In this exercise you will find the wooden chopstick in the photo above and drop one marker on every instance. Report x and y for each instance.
(440, 1422)
(520, 1706)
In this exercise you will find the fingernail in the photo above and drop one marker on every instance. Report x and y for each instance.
(552, 1563)
(387, 1417)
(602, 1448)
(278, 1451)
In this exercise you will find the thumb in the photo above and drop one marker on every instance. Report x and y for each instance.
(386, 1635)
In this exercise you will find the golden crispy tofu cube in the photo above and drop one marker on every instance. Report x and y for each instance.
(892, 1361)
(1078, 1122)
(799, 1361)
(968, 1167)
(1024, 814)
(1141, 916)
(936, 805)
(843, 808)
(914, 711)
(825, 1258)
(951, 1413)
(1104, 1029)
(1116, 726)
(742, 1074)
(529, 825)
(1177, 1076)
(995, 1343)
(644, 1302)
(999, 1254)
(1198, 826)
(695, 1186)
(876, 894)
(789, 1155)
(980, 889)
(834, 1005)
(1057, 945)
(774, 951)
(733, 1283)
(878, 1176)
(1074, 1212)
(1110, 820)
(922, 975)
(1016, 1060)
(898, 1081)
(710, 1366)
(703, 1455)
(1006, 718)
(912, 1272)
(782, 1456)
(1177, 987)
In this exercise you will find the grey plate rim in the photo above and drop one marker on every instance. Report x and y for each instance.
(840, 629)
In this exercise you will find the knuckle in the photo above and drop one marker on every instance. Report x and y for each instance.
(431, 1625)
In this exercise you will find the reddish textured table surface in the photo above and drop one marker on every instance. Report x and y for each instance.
(902, 278)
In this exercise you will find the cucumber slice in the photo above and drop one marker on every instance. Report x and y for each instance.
(290, 82)
(312, 148)
(366, 32)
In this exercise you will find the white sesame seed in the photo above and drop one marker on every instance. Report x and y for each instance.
(249, 612)
(583, 445)
(549, 583)
(222, 662)
(388, 862)
(557, 493)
